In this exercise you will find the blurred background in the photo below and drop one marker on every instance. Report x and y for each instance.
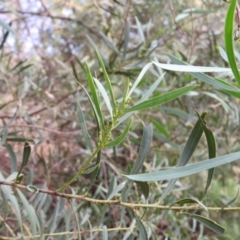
(43, 42)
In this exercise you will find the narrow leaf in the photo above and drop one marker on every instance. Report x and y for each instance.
(75, 213)
(228, 34)
(142, 230)
(32, 217)
(92, 42)
(160, 127)
(12, 157)
(6, 26)
(139, 78)
(223, 53)
(209, 179)
(211, 148)
(187, 152)
(74, 71)
(84, 127)
(94, 96)
(17, 139)
(190, 68)
(233, 200)
(85, 219)
(144, 188)
(123, 118)
(185, 170)
(190, 201)
(125, 192)
(208, 223)
(24, 68)
(109, 43)
(146, 95)
(104, 233)
(233, 93)
(205, 78)
(116, 190)
(25, 158)
(26, 154)
(12, 176)
(122, 136)
(144, 148)
(166, 97)
(57, 216)
(140, 30)
(93, 106)
(105, 96)
(109, 85)
(91, 169)
(150, 91)
(113, 183)
(7, 191)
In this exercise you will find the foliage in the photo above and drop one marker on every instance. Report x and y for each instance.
(95, 73)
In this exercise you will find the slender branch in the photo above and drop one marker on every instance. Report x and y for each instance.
(44, 108)
(125, 18)
(81, 171)
(62, 195)
(47, 129)
(44, 14)
(178, 27)
(238, 15)
(44, 6)
(174, 18)
(66, 233)
(101, 144)
(119, 202)
(7, 227)
(192, 35)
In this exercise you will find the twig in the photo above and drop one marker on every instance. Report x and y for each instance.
(174, 18)
(238, 15)
(119, 202)
(192, 36)
(45, 108)
(44, 14)
(180, 30)
(7, 227)
(62, 195)
(47, 129)
(128, 5)
(66, 233)
(44, 6)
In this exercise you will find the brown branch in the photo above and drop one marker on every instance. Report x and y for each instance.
(174, 18)
(44, 14)
(238, 15)
(50, 235)
(62, 195)
(128, 5)
(191, 39)
(192, 36)
(117, 201)
(47, 129)
(44, 108)
(44, 6)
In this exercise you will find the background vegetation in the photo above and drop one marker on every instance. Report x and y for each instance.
(46, 111)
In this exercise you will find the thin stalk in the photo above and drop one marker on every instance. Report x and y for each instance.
(66, 233)
(101, 145)
(120, 203)
(81, 171)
